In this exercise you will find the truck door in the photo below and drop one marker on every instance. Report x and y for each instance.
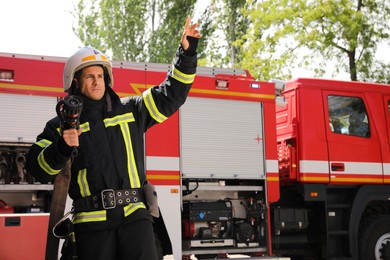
(353, 142)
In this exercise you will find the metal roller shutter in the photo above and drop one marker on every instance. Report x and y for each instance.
(23, 117)
(221, 139)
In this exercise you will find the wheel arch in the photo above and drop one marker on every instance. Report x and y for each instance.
(366, 195)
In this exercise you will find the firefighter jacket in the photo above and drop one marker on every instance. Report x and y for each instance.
(111, 145)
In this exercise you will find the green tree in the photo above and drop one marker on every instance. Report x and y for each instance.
(115, 25)
(227, 24)
(133, 30)
(315, 34)
(165, 39)
(208, 28)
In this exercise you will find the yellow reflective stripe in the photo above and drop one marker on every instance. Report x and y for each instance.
(41, 158)
(131, 165)
(125, 118)
(85, 127)
(122, 121)
(45, 166)
(43, 143)
(127, 210)
(182, 77)
(92, 216)
(83, 183)
(151, 106)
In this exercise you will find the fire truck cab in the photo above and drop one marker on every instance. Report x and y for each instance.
(334, 154)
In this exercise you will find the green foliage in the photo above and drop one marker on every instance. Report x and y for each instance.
(130, 29)
(227, 24)
(165, 40)
(270, 38)
(115, 25)
(315, 34)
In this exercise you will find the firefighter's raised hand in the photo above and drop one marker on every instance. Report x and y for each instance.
(189, 39)
(71, 137)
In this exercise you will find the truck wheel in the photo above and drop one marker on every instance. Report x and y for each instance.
(374, 241)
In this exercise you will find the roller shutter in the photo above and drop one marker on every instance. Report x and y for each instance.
(23, 117)
(221, 139)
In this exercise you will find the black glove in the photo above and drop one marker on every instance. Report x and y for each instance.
(193, 46)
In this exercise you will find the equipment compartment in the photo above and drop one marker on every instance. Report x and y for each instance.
(217, 216)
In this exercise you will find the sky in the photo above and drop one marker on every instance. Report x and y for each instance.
(44, 27)
(38, 27)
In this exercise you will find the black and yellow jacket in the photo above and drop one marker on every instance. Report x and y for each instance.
(111, 145)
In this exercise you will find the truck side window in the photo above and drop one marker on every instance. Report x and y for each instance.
(348, 116)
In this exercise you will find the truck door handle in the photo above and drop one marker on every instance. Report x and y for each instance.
(337, 167)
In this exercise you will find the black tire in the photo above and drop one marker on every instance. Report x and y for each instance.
(374, 241)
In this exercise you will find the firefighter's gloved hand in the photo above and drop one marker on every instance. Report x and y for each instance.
(190, 37)
(193, 46)
(151, 199)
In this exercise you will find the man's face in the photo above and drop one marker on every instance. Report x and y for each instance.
(91, 82)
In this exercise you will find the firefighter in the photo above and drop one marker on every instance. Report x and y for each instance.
(111, 219)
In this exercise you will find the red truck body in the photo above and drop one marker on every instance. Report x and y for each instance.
(263, 169)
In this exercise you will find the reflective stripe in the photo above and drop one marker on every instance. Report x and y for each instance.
(182, 77)
(386, 168)
(125, 118)
(92, 216)
(43, 143)
(309, 166)
(94, 57)
(127, 210)
(162, 163)
(324, 167)
(41, 158)
(151, 106)
(122, 121)
(88, 58)
(83, 183)
(131, 165)
(85, 127)
(272, 166)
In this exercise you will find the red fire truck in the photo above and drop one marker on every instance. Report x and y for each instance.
(263, 169)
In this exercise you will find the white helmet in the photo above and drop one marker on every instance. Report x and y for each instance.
(85, 57)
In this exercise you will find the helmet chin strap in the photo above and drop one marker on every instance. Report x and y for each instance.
(74, 90)
(109, 102)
